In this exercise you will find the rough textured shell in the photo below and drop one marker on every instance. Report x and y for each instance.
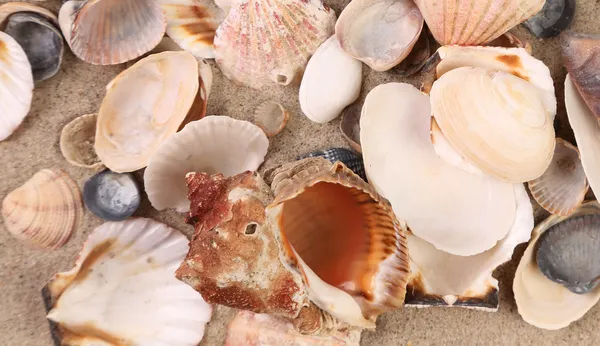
(581, 54)
(562, 187)
(265, 41)
(45, 210)
(192, 24)
(379, 33)
(16, 86)
(215, 144)
(271, 117)
(475, 22)
(77, 142)
(111, 32)
(122, 290)
(143, 106)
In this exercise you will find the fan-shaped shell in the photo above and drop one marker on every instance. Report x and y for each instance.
(506, 131)
(581, 54)
(45, 210)
(111, 32)
(192, 24)
(122, 289)
(215, 144)
(379, 33)
(16, 85)
(562, 187)
(470, 23)
(77, 142)
(264, 42)
(143, 106)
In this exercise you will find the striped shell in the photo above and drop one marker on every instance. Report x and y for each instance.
(45, 210)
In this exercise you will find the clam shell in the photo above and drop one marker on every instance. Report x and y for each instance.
(350, 126)
(331, 82)
(552, 19)
(540, 301)
(45, 210)
(143, 106)
(562, 188)
(265, 42)
(192, 24)
(77, 142)
(16, 86)
(421, 51)
(581, 54)
(379, 33)
(111, 196)
(271, 117)
(111, 32)
(475, 22)
(122, 289)
(215, 144)
(348, 158)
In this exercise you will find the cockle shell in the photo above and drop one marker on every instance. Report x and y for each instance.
(581, 54)
(143, 106)
(475, 22)
(562, 187)
(214, 144)
(271, 117)
(77, 142)
(122, 290)
(192, 24)
(379, 33)
(264, 42)
(540, 301)
(111, 32)
(331, 82)
(16, 85)
(45, 210)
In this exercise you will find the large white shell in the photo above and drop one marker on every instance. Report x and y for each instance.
(123, 290)
(16, 85)
(331, 82)
(473, 212)
(214, 144)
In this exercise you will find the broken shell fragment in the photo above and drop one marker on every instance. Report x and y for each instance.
(122, 290)
(16, 86)
(477, 22)
(379, 33)
(562, 187)
(77, 142)
(271, 117)
(214, 144)
(331, 82)
(143, 106)
(254, 46)
(348, 158)
(112, 196)
(552, 19)
(581, 54)
(45, 210)
(540, 301)
(350, 126)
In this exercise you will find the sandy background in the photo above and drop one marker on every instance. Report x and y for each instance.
(79, 88)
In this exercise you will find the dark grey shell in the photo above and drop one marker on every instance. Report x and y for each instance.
(350, 126)
(40, 39)
(553, 18)
(568, 253)
(111, 196)
(345, 156)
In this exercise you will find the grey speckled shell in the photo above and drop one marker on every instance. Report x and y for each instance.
(111, 196)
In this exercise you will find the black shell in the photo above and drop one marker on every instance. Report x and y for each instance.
(345, 156)
(553, 18)
(568, 253)
(112, 196)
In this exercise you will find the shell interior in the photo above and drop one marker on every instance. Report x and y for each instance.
(112, 196)
(77, 142)
(421, 51)
(271, 117)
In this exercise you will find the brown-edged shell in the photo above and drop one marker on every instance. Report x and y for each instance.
(271, 117)
(77, 142)
(581, 54)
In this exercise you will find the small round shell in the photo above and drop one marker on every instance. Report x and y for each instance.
(77, 142)
(112, 196)
(271, 117)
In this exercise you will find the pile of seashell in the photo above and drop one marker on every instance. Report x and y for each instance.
(430, 202)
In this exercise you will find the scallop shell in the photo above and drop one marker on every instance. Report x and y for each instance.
(143, 106)
(16, 85)
(581, 54)
(45, 210)
(77, 142)
(552, 19)
(475, 22)
(215, 144)
(562, 188)
(540, 301)
(264, 42)
(350, 126)
(112, 196)
(192, 24)
(111, 32)
(331, 82)
(271, 117)
(379, 33)
(122, 290)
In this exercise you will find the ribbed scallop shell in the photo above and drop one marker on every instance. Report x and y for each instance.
(269, 41)
(192, 24)
(122, 290)
(474, 22)
(108, 32)
(581, 55)
(77, 142)
(45, 210)
(16, 85)
(562, 187)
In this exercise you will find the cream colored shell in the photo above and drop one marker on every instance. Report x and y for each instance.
(77, 142)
